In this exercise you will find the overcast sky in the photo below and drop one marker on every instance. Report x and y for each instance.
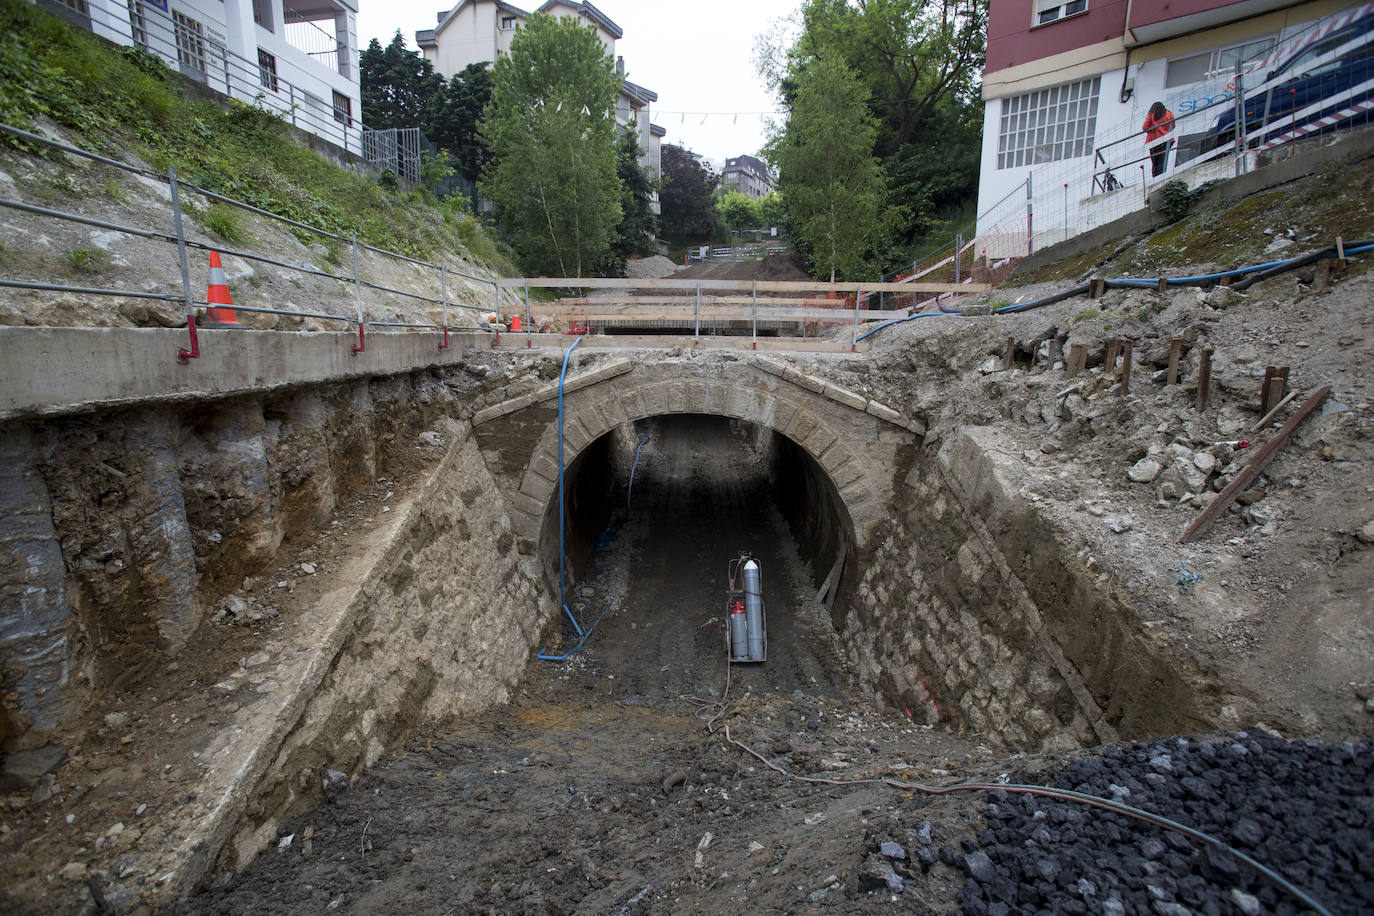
(698, 57)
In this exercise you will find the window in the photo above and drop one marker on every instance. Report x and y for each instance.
(190, 42)
(1195, 68)
(262, 14)
(138, 25)
(343, 109)
(508, 22)
(1054, 10)
(267, 70)
(1048, 124)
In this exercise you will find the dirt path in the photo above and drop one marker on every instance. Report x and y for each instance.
(600, 790)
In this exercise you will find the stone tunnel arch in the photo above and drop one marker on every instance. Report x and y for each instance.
(853, 442)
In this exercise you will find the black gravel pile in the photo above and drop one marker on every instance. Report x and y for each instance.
(1302, 808)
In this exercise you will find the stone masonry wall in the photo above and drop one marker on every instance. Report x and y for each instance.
(971, 612)
(444, 626)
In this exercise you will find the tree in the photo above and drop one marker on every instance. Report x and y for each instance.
(638, 225)
(455, 117)
(685, 200)
(398, 85)
(738, 210)
(834, 187)
(920, 61)
(551, 131)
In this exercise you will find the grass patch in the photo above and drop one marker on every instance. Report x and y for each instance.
(86, 261)
(225, 223)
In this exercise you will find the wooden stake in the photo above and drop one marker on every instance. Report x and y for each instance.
(1113, 350)
(1056, 353)
(1175, 351)
(1008, 360)
(1078, 359)
(1097, 288)
(1269, 373)
(1204, 379)
(1252, 470)
(1126, 346)
(1163, 284)
(1269, 417)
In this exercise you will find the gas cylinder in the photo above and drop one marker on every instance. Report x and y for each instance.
(753, 608)
(739, 633)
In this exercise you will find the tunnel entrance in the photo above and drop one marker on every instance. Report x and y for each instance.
(653, 555)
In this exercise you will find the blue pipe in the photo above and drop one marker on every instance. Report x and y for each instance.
(562, 565)
(1139, 283)
(629, 491)
(905, 320)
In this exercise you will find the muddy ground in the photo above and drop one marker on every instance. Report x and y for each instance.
(602, 789)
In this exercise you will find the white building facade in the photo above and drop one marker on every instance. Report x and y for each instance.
(1068, 86)
(298, 58)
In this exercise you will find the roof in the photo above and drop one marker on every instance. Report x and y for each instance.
(638, 93)
(431, 35)
(591, 12)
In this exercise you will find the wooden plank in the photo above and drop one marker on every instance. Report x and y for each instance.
(1078, 359)
(832, 581)
(669, 341)
(764, 286)
(1266, 387)
(1175, 351)
(1126, 346)
(687, 310)
(819, 302)
(1009, 354)
(1204, 379)
(1253, 469)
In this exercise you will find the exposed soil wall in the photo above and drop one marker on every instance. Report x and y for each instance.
(136, 522)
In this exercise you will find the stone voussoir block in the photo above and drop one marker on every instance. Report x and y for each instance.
(883, 412)
(809, 382)
(771, 366)
(846, 397)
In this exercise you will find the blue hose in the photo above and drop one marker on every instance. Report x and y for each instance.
(629, 491)
(1360, 247)
(562, 574)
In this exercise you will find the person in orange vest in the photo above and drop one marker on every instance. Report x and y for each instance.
(1159, 123)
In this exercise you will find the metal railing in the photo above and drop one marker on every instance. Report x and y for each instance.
(197, 50)
(176, 236)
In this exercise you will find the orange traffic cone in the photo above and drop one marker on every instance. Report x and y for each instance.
(515, 323)
(218, 294)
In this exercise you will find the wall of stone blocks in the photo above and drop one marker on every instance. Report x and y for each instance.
(444, 627)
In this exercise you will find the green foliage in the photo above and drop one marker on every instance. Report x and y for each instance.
(402, 89)
(638, 225)
(552, 135)
(685, 200)
(224, 222)
(919, 61)
(1175, 200)
(834, 187)
(86, 260)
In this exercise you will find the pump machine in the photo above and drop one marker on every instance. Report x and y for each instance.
(746, 628)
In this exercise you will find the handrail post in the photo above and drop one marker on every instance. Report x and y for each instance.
(529, 332)
(755, 314)
(443, 296)
(697, 333)
(183, 354)
(361, 345)
(854, 338)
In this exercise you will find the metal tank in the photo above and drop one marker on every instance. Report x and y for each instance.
(753, 609)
